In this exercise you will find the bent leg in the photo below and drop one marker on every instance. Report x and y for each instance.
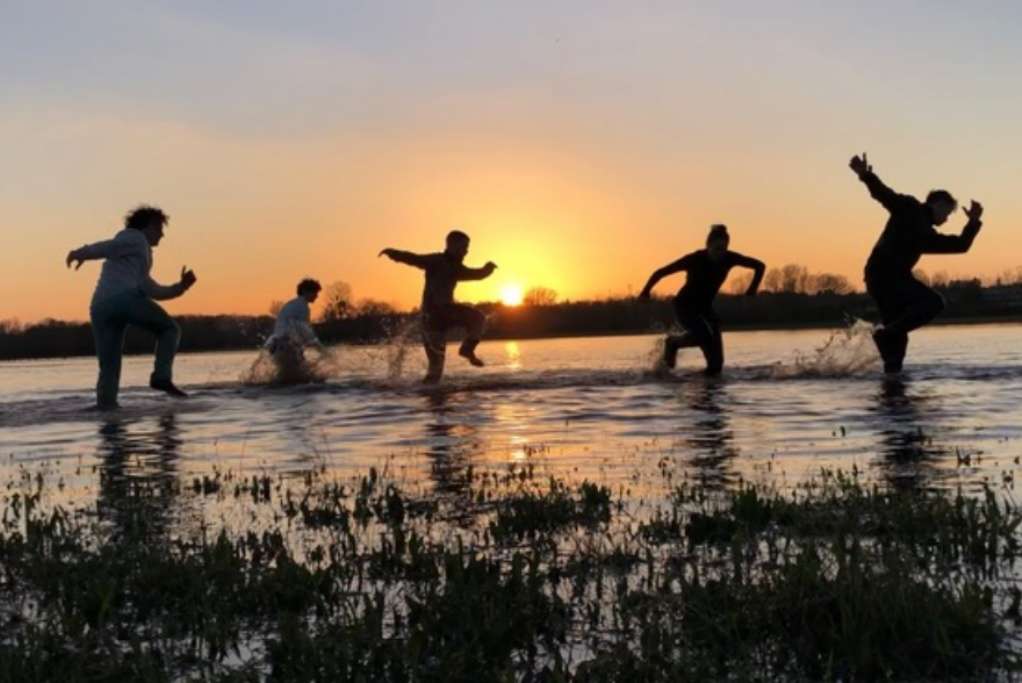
(700, 328)
(905, 305)
(921, 306)
(150, 316)
(108, 331)
(474, 322)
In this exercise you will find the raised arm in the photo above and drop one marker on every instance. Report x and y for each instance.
(659, 274)
(154, 290)
(937, 243)
(880, 192)
(406, 257)
(758, 268)
(466, 273)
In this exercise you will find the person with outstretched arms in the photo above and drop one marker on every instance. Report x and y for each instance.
(440, 313)
(905, 303)
(706, 270)
(126, 294)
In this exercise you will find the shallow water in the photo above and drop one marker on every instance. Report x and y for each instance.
(579, 408)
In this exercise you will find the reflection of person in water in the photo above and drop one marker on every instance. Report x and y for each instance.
(439, 311)
(905, 303)
(126, 295)
(706, 270)
(451, 446)
(710, 436)
(293, 333)
(137, 471)
(907, 447)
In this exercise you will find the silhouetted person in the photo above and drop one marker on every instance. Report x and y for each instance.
(439, 311)
(706, 269)
(905, 303)
(125, 295)
(292, 332)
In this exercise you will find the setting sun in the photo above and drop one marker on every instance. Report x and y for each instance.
(511, 294)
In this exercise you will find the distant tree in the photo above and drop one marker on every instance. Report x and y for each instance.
(275, 307)
(794, 278)
(337, 302)
(367, 307)
(940, 279)
(540, 296)
(10, 326)
(830, 283)
(772, 280)
(922, 276)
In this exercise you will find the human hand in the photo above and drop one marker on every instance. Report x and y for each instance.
(974, 211)
(74, 257)
(187, 277)
(389, 253)
(860, 165)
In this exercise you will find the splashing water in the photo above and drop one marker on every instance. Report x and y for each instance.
(291, 365)
(847, 351)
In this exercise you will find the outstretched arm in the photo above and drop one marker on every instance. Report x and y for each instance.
(405, 257)
(659, 274)
(880, 192)
(937, 243)
(100, 250)
(486, 271)
(758, 268)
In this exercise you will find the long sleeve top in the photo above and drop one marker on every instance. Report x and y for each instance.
(909, 233)
(128, 258)
(293, 324)
(443, 273)
(705, 276)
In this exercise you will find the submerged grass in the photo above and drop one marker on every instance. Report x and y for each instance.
(543, 581)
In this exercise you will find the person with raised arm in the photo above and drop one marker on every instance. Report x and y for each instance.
(706, 270)
(905, 303)
(125, 295)
(440, 313)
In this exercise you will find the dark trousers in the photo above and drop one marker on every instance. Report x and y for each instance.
(702, 329)
(905, 304)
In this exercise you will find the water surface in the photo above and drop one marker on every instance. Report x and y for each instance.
(579, 408)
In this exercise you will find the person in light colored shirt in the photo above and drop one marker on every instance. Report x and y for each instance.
(126, 294)
(293, 329)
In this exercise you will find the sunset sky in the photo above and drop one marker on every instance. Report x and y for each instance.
(580, 144)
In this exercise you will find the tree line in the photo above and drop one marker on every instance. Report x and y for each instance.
(792, 297)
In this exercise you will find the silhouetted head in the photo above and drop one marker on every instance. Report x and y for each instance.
(717, 241)
(457, 245)
(309, 289)
(148, 220)
(941, 204)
